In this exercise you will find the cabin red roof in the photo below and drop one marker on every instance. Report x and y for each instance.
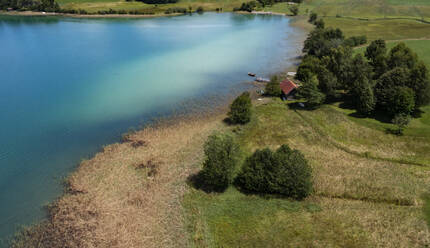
(287, 86)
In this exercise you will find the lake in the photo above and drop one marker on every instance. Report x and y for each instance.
(69, 86)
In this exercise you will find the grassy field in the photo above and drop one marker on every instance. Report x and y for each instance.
(418, 9)
(386, 19)
(421, 47)
(362, 196)
(93, 6)
(384, 29)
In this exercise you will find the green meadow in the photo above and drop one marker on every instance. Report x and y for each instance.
(92, 6)
(369, 186)
(421, 47)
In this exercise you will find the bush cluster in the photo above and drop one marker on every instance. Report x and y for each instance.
(284, 172)
(107, 12)
(221, 158)
(248, 6)
(176, 10)
(33, 5)
(240, 109)
(158, 1)
(354, 41)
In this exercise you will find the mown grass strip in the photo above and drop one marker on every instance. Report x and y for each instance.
(367, 155)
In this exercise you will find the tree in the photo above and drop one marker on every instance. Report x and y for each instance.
(284, 171)
(309, 91)
(360, 86)
(320, 41)
(294, 10)
(340, 63)
(402, 56)
(319, 24)
(375, 49)
(420, 83)
(248, 6)
(388, 84)
(312, 17)
(310, 65)
(327, 83)
(376, 54)
(240, 109)
(402, 101)
(273, 88)
(363, 97)
(354, 41)
(221, 158)
(401, 121)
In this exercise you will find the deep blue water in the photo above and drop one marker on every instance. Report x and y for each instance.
(69, 86)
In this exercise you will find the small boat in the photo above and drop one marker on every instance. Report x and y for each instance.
(263, 80)
(251, 74)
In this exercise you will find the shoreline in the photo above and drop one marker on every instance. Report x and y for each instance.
(131, 16)
(80, 16)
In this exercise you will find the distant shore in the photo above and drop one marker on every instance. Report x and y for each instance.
(39, 13)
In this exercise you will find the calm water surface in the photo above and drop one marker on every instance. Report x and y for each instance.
(69, 86)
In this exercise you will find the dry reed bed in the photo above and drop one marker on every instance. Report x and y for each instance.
(129, 194)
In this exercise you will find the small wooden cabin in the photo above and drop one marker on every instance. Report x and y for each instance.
(288, 88)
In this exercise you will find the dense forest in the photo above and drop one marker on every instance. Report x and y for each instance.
(394, 84)
(34, 5)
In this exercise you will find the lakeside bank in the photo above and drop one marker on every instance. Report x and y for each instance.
(55, 14)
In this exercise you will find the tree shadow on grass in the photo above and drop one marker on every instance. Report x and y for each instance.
(377, 115)
(297, 106)
(198, 181)
(228, 121)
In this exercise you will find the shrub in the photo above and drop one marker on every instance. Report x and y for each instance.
(221, 158)
(320, 24)
(273, 88)
(240, 109)
(294, 10)
(176, 10)
(200, 9)
(284, 172)
(401, 121)
(249, 6)
(313, 17)
(354, 41)
(158, 1)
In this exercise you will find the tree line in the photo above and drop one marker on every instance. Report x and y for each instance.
(33, 5)
(253, 5)
(395, 82)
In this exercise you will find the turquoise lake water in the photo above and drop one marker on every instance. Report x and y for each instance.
(69, 86)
